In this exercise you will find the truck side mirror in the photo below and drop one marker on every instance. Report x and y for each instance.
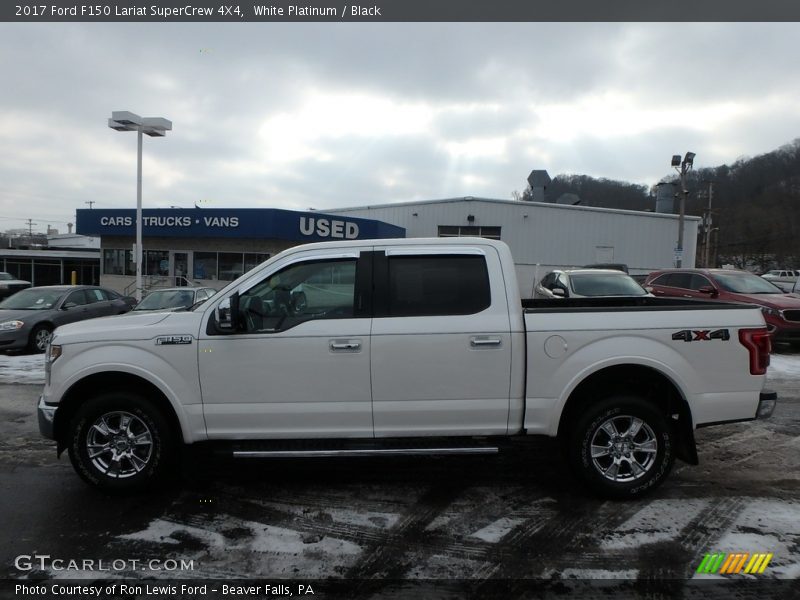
(226, 314)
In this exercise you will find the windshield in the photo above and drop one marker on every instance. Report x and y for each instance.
(745, 283)
(166, 299)
(6, 277)
(32, 299)
(605, 284)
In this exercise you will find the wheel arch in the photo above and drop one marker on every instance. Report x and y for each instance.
(111, 381)
(645, 381)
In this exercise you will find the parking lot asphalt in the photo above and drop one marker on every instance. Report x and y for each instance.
(518, 515)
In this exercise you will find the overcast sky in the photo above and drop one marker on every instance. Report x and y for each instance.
(346, 114)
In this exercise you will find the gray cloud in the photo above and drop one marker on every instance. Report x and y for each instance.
(260, 110)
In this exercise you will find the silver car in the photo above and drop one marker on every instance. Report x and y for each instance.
(174, 299)
(587, 283)
(28, 318)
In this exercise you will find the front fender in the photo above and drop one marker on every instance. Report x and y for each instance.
(173, 373)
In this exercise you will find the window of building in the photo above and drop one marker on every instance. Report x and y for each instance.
(230, 265)
(118, 262)
(156, 262)
(205, 265)
(492, 233)
(437, 285)
(253, 260)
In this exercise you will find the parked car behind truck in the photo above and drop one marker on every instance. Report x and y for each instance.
(781, 311)
(409, 346)
(28, 318)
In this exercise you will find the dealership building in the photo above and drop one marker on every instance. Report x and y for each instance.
(214, 246)
(209, 246)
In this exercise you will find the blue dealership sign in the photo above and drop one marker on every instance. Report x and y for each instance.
(255, 223)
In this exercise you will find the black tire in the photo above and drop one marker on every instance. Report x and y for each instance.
(643, 460)
(40, 335)
(135, 451)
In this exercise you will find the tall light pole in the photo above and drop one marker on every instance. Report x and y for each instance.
(123, 120)
(682, 167)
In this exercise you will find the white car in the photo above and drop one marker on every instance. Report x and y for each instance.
(587, 283)
(783, 278)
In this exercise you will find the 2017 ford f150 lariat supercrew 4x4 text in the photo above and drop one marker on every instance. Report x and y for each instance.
(408, 346)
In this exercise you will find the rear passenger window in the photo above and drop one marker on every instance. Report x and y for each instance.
(437, 285)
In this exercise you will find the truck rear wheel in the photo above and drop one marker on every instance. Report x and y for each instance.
(622, 447)
(119, 442)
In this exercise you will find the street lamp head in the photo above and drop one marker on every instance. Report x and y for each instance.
(689, 158)
(123, 120)
(676, 160)
(125, 117)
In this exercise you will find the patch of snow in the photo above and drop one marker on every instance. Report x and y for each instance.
(784, 365)
(660, 520)
(22, 369)
(497, 530)
(379, 520)
(571, 573)
(767, 526)
(236, 545)
(161, 531)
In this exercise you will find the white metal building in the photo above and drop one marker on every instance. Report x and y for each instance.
(543, 236)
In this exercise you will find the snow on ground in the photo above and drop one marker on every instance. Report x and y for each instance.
(497, 530)
(660, 520)
(767, 525)
(27, 369)
(239, 545)
(784, 366)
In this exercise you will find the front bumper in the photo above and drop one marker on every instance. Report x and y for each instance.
(766, 404)
(47, 414)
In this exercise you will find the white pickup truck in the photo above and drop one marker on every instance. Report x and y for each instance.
(409, 346)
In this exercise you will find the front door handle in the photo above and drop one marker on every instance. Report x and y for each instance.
(476, 342)
(345, 345)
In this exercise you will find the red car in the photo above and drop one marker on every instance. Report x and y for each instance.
(781, 311)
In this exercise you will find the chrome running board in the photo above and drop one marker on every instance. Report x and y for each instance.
(363, 452)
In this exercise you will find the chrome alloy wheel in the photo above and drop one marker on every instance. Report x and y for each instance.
(624, 448)
(41, 339)
(119, 444)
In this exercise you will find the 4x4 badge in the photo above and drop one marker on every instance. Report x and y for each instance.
(702, 335)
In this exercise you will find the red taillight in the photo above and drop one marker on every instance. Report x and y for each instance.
(758, 344)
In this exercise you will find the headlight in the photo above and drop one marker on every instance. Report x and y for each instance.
(53, 352)
(11, 325)
(770, 311)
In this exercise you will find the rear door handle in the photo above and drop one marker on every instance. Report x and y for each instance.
(482, 342)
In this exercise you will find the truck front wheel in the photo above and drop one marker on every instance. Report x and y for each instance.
(119, 442)
(622, 447)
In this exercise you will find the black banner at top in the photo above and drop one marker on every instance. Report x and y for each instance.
(397, 10)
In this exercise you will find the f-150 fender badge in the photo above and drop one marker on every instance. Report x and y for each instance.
(168, 340)
(702, 335)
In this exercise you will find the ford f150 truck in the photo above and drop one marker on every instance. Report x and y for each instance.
(409, 346)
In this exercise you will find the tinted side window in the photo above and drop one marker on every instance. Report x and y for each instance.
(681, 280)
(77, 297)
(699, 281)
(437, 285)
(660, 280)
(323, 289)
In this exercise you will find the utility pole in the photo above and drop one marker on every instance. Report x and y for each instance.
(30, 227)
(707, 226)
(683, 167)
(90, 203)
